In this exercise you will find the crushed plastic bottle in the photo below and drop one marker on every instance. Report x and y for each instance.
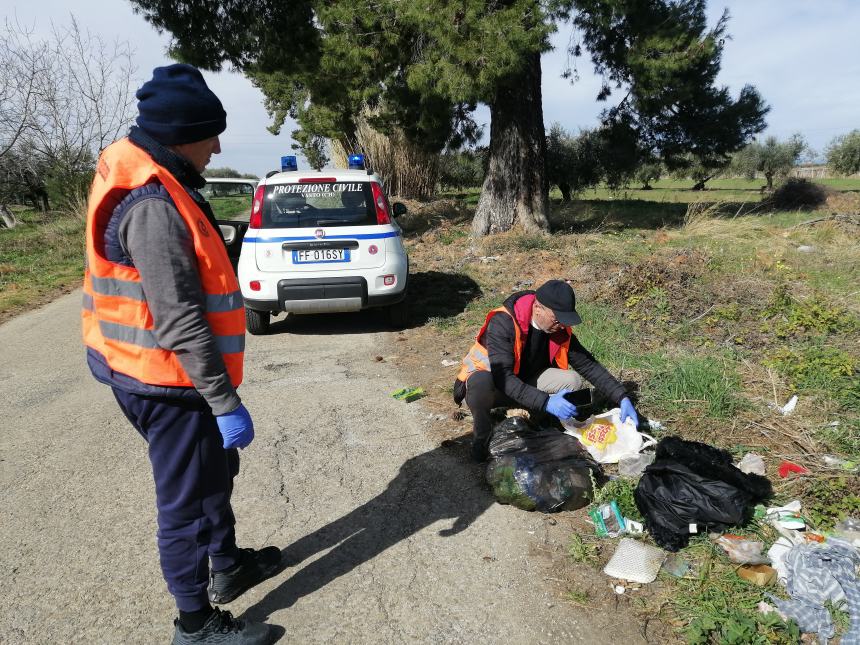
(635, 465)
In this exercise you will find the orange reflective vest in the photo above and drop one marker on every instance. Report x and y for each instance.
(477, 359)
(117, 322)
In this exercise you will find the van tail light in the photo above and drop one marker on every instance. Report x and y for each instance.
(256, 220)
(389, 280)
(255, 285)
(383, 213)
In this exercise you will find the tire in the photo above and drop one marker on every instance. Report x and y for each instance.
(257, 322)
(398, 315)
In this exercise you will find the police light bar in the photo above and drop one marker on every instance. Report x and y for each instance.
(289, 163)
(356, 162)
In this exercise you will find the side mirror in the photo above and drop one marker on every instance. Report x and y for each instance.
(229, 233)
(399, 209)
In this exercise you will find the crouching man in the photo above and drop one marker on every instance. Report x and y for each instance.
(526, 356)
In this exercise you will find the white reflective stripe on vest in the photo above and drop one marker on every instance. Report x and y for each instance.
(116, 287)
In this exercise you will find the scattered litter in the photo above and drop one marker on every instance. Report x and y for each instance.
(540, 469)
(805, 248)
(655, 426)
(379, 359)
(676, 565)
(634, 466)
(752, 463)
(832, 461)
(489, 258)
(691, 486)
(608, 521)
(449, 363)
(777, 553)
(607, 438)
(620, 589)
(786, 409)
(788, 467)
(788, 516)
(849, 531)
(635, 561)
(741, 550)
(758, 574)
(409, 394)
(633, 527)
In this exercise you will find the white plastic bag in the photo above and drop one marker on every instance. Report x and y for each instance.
(606, 438)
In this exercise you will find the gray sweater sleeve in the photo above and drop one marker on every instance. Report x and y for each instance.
(155, 237)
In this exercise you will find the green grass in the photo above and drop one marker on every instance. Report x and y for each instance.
(583, 550)
(38, 258)
(607, 335)
(720, 607)
(688, 382)
(231, 208)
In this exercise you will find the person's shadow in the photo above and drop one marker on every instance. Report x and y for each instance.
(436, 485)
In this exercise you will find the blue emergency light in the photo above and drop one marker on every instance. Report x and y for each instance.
(356, 162)
(289, 163)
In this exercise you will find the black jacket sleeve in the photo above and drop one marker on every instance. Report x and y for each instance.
(499, 341)
(586, 365)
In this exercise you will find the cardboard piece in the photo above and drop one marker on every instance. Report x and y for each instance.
(758, 574)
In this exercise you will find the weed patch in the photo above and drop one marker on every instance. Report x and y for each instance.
(620, 490)
(820, 368)
(827, 501)
(582, 550)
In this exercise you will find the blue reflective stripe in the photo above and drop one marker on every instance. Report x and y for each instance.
(231, 344)
(87, 302)
(115, 287)
(127, 334)
(218, 303)
(359, 236)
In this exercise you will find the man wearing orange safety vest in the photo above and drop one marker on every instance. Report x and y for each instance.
(526, 356)
(164, 327)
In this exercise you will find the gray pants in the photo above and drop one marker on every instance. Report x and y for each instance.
(482, 396)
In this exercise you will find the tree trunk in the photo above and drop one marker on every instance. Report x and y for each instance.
(514, 190)
(7, 217)
(769, 177)
(700, 185)
(565, 192)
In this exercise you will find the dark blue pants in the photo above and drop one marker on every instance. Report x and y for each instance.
(193, 482)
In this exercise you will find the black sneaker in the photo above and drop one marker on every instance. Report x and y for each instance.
(223, 629)
(253, 567)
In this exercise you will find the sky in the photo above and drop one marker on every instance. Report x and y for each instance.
(802, 56)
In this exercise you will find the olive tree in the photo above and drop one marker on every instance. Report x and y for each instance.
(843, 153)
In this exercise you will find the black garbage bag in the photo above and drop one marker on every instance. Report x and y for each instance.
(693, 488)
(540, 469)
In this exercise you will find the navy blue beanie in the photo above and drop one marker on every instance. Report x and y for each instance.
(176, 106)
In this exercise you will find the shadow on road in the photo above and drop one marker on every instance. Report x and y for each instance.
(432, 294)
(437, 485)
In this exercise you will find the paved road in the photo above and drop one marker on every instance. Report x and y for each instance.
(392, 539)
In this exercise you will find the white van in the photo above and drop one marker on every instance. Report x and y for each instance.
(320, 242)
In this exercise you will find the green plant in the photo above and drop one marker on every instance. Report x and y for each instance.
(583, 551)
(621, 490)
(789, 317)
(719, 607)
(842, 437)
(677, 383)
(827, 501)
(818, 367)
(577, 596)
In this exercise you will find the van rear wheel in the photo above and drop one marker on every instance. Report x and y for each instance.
(257, 322)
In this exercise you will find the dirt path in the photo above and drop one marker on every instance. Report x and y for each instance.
(392, 538)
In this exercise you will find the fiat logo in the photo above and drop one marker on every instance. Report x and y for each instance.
(319, 233)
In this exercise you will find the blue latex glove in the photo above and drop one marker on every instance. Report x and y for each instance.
(559, 406)
(628, 411)
(236, 427)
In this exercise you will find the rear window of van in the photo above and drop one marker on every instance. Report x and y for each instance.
(342, 203)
